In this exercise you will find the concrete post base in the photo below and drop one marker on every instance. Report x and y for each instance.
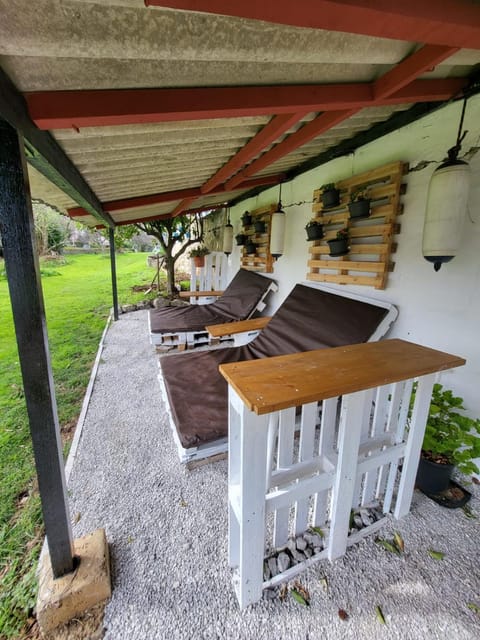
(65, 598)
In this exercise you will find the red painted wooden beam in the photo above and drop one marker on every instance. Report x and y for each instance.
(390, 85)
(269, 133)
(181, 206)
(409, 69)
(77, 109)
(448, 22)
(171, 196)
(311, 130)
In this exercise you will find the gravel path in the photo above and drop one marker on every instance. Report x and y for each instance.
(168, 534)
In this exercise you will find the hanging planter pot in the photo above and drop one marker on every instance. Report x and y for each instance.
(246, 219)
(240, 239)
(259, 226)
(199, 261)
(339, 245)
(314, 231)
(250, 248)
(330, 196)
(360, 208)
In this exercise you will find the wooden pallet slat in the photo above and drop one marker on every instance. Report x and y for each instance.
(262, 261)
(372, 236)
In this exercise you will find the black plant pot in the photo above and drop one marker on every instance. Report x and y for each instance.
(259, 226)
(433, 477)
(338, 247)
(315, 232)
(359, 209)
(250, 248)
(240, 239)
(246, 219)
(330, 198)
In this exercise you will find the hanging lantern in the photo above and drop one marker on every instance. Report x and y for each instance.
(447, 201)
(228, 236)
(446, 212)
(277, 233)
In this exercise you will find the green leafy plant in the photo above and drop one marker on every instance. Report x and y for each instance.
(342, 234)
(329, 186)
(450, 436)
(360, 193)
(313, 223)
(198, 252)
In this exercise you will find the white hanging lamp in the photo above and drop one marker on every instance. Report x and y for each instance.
(277, 230)
(228, 236)
(446, 206)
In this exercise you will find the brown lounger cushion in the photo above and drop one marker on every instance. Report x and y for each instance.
(237, 302)
(308, 319)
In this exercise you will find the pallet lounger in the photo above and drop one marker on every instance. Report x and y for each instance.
(184, 327)
(311, 317)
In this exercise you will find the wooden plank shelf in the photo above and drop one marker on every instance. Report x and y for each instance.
(262, 260)
(271, 384)
(372, 236)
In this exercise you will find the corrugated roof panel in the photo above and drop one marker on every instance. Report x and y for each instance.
(114, 44)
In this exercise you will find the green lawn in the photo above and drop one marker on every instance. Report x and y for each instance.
(77, 301)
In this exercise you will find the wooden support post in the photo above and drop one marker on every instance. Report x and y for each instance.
(23, 273)
(414, 444)
(247, 456)
(350, 429)
(111, 237)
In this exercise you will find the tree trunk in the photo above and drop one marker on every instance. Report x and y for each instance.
(170, 269)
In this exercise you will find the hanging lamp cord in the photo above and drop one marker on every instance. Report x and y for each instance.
(454, 151)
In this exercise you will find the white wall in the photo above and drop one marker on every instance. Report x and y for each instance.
(440, 310)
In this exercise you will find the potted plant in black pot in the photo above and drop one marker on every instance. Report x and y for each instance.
(338, 246)
(330, 195)
(250, 247)
(198, 254)
(259, 226)
(314, 230)
(359, 205)
(451, 441)
(247, 219)
(240, 239)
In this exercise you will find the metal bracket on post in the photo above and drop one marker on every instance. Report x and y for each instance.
(23, 274)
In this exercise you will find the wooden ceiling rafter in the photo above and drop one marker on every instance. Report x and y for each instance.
(398, 78)
(450, 22)
(114, 107)
(170, 196)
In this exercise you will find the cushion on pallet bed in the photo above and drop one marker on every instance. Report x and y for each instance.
(308, 319)
(237, 302)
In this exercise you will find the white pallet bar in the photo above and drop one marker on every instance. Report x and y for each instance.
(200, 452)
(211, 277)
(351, 406)
(183, 340)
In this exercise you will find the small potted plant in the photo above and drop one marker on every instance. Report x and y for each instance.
(314, 230)
(330, 195)
(240, 239)
(250, 247)
(259, 226)
(339, 245)
(359, 205)
(451, 440)
(198, 255)
(247, 219)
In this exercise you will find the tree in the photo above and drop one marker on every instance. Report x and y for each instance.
(175, 235)
(52, 228)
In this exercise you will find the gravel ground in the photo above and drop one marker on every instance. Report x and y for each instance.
(168, 534)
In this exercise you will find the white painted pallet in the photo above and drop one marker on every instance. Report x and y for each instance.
(346, 459)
